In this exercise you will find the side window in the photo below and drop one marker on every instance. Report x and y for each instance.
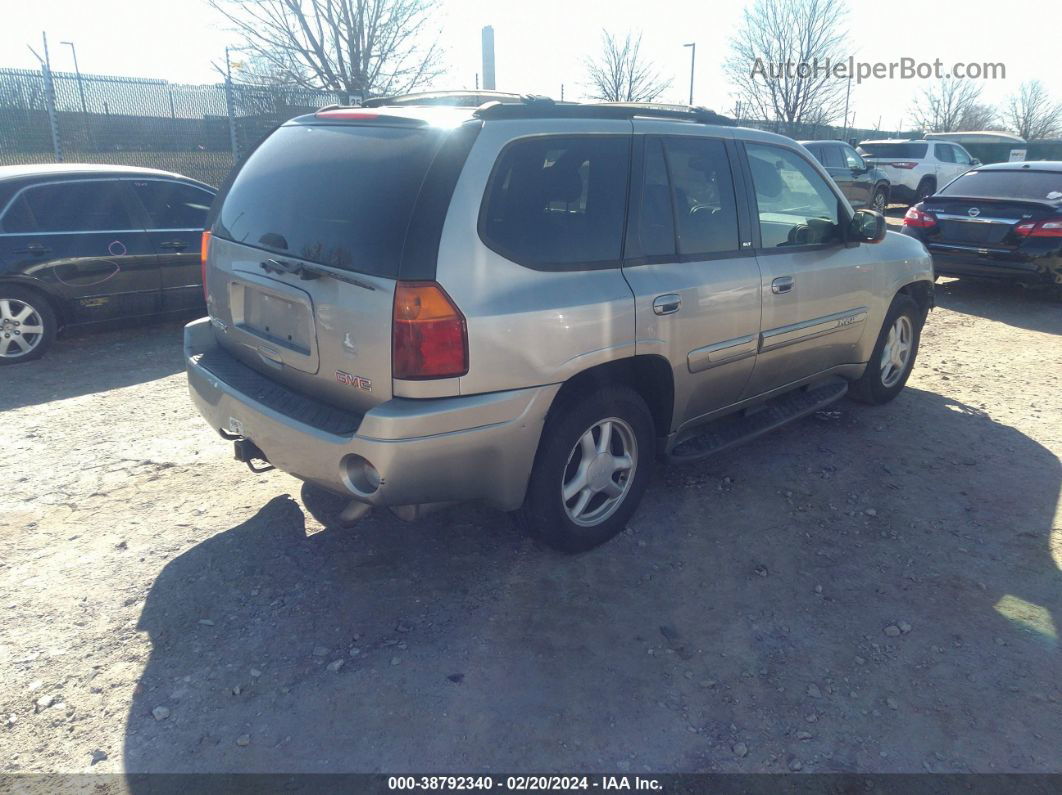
(852, 158)
(703, 194)
(656, 220)
(558, 201)
(961, 156)
(816, 152)
(18, 217)
(795, 206)
(945, 154)
(172, 205)
(833, 156)
(89, 206)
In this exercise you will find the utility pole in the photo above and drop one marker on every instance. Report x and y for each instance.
(693, 59)
(562, 92)
(49, 97)
(487, 38)
(77, 71)
(847, 94)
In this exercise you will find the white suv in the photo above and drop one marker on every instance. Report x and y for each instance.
(916, 169)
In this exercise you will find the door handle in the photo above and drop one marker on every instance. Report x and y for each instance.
(783, 284)
(33, 248)
(174, 244)
(667, 304)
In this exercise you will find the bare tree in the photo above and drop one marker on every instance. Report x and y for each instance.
(950, 105)
(781, 60)
(979, 116)
(620, 74)
(1032, 114)
(358, 47)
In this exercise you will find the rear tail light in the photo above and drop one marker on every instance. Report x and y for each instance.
(204, 252)
(1049, 227)
(904, 164)
(429, 337)
(919, 219)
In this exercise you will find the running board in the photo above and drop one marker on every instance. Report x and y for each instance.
(741, 427)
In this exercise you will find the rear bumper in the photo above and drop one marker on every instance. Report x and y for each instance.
(438, 450)
(950, 261)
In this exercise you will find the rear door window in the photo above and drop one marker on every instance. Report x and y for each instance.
(656, 220)
(338, 195)
(173, 205)
(831, 157)
(558, 202)
(84, 206)
(945, 153)
(703, 194)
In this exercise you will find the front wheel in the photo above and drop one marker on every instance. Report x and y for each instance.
(27, 325)
(591, 470)
(894, 354)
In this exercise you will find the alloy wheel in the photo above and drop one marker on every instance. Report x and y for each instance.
(599, 472)
(897, 351)
(21, 328)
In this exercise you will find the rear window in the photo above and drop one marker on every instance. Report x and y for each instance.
(336, 195)
(912, 151)
(1034, 185)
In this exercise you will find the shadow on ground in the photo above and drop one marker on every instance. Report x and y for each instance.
(1022, 307)
(118, 357)
(746, 605)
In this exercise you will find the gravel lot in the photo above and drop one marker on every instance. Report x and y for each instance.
(871, 589)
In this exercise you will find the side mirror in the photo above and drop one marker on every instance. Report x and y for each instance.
(975, 162)
(867, 226)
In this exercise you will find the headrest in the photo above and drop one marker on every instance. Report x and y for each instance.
(766, 177)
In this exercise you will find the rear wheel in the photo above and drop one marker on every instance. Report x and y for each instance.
(27, 325)
(879, 202)
(894, 354)
(591, 470)
(926, 188)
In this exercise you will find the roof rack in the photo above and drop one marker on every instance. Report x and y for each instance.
(447, 98)
(539, 107)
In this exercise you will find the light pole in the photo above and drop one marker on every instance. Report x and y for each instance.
(77, 71)
(693, 59)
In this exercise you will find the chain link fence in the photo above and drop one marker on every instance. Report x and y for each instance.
(196, 130)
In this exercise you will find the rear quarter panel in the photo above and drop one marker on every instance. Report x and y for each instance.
(528, 327)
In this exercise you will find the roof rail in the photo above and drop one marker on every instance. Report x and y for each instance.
(451, 98)
(536, 107)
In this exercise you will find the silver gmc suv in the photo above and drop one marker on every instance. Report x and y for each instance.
(529, 303)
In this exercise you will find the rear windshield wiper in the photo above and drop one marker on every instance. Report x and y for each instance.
(307, 271)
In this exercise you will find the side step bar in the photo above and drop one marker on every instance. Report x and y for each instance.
(741, 427)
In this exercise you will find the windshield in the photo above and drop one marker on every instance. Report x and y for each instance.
(336, 195)
(910, 150)
(1028, 185)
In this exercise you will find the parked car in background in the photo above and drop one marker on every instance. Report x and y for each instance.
(1002, 221)
(534, 301)
(86, 244)
(863, 184)
(916, 169)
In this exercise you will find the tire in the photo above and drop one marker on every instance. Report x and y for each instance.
(565, 458)
(884, 378)
(879, 201)
(21, 311)
(926, 188)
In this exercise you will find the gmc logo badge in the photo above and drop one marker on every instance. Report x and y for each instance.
(363, 384)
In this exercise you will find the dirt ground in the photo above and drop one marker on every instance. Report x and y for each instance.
(871, 589)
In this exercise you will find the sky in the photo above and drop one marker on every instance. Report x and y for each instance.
(542, 44)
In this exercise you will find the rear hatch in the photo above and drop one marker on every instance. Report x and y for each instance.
(900, 155)
(307, 248)
(983, 209)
